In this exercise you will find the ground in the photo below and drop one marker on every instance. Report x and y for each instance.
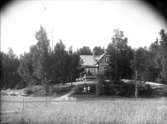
(84, 110)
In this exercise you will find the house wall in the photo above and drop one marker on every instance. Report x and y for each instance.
(99, 68)
(92, 70)
(103, 64)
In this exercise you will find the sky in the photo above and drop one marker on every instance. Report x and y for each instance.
(78, 23)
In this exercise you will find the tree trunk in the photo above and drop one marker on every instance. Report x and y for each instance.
(136, 87)
(136, 90)
(71, 79)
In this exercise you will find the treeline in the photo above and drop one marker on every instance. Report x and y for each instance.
(9, 78)
(40, 65)
(45, 66)
(146, 64)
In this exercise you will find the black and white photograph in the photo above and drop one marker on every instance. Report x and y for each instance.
(83, 62)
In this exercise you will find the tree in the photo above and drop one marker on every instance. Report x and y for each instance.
(163, 45)
(97, 50)
(120, 57)
(74, 68)
(9, 64)
(45, 67)
(155, 59)
(85, 50)
(43, 54)
(141, 65)
(140, 62)
(34, 66)
(26, 69)
(11, 53)
(59, 63)
(65, 65)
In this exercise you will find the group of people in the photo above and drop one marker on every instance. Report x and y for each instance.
(86, 89)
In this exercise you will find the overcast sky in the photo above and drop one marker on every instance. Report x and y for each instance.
(78, 23)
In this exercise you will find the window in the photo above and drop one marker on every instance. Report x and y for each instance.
(105, 68)
(107, 59)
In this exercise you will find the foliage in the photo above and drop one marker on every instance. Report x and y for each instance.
(25, 69)
(100, 85)
(34, 65)
(62, 90)
(140, 62)
(85, 50)
(9, 64)
(41, 61)
(120, 57)
(65, 65)
(46, 67)
(28, 91)
(163, 46)
(97, 50)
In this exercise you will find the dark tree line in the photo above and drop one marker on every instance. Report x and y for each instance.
(44, 66)
(9, 78)
(85, 50)
(147, 64)
(121, 56)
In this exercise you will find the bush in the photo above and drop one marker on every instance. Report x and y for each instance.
(28, 91)
(78, 90)
(20, 85)
(145, 90)
(100, 85)
(118, 88)
(61, 90)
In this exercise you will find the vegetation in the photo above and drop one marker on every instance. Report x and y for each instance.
(97, 50)
(120, 58)
(89, 111)
(44, 71)
(163, 46)
(85, 50)
(45, 66)
(8, 67)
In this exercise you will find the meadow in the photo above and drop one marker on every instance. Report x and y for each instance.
(102, 110)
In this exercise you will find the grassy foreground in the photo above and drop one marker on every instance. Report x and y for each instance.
(86, 111)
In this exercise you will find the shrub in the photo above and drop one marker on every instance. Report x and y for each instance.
(79, 89)
(61, 90)
(100, 85)
(145, 90)
(125, 89)
(118, 88)
(28, 91)
(20, 85)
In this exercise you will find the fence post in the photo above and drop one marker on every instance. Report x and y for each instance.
(46, 100)
(23, 106)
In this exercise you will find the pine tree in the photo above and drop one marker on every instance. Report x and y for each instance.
(120, 57)
(163, 44)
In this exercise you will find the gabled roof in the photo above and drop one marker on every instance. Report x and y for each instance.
(90, 60)
(100, 57)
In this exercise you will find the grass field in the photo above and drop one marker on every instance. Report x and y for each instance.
(84, 111)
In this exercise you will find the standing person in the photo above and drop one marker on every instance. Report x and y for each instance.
(88, 88)
(84, 90)
(84, 78)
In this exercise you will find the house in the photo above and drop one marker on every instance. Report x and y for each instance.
(94, 65)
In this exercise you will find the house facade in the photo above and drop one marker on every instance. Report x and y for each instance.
(94, 65)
